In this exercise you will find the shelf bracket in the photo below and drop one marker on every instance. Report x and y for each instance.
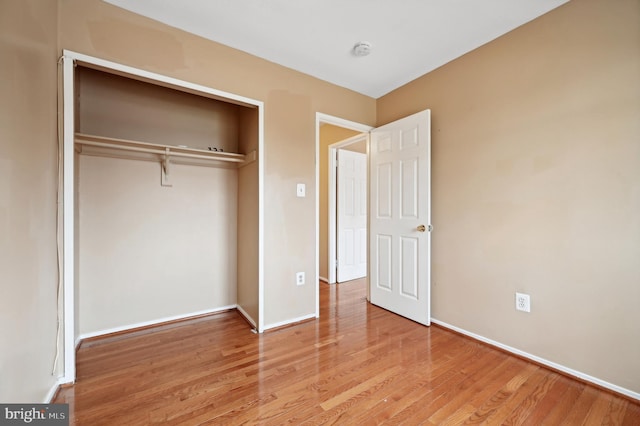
(164, 172)
(249, 158)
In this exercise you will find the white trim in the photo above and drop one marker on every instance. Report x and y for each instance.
(317, 215)
(53, 390)
(154, 78)
(68, 220)
(559, 367)
(260, 325)
(332, 201)
(70, 58)
(290, 322)
(158, 321)
(341, 122)
(247, 316)
(324, 280)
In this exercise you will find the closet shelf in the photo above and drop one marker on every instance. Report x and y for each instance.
(112, 147)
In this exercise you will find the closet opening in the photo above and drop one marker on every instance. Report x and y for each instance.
(162, 201)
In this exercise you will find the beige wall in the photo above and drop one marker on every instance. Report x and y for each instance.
(536, 187)
(360, 147)
(148, 252)
(329, 134)
(28, 176)
(248, 226)
(291, 102)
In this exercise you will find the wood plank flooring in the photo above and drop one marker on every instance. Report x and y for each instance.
(356, 365)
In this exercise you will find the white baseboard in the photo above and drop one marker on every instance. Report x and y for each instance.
(247, 317)
(289, 322)
(326, 280)
(53, 390)
(152, 322)
(562, 368)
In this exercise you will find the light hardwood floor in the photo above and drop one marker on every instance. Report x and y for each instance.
(356, 365)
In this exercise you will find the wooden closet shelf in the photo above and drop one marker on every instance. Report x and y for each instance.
(163, 151)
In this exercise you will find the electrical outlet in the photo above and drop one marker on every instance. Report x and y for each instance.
(299, 278)
(523, 302)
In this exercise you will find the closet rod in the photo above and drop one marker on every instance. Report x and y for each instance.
(125, 145)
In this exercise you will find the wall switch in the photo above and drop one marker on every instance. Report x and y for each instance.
(299, 278)
(523, 302)
(301, 190)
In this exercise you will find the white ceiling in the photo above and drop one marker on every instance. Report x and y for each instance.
(316, 37)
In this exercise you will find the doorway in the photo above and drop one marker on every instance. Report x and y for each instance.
(348, 188)
(399, 223)
(330, 132)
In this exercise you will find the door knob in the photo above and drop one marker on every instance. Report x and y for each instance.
(422, 228)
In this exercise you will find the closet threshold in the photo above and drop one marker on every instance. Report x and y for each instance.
(113, 147)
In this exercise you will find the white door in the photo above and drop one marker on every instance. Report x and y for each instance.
(400, 217)
(352, 215)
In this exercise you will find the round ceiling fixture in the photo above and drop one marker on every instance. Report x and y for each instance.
(362, 48)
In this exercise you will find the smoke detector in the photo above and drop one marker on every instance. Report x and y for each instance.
(362, 48)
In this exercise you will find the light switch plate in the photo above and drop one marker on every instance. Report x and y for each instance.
(301, 190)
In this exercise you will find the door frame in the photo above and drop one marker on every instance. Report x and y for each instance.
(322, 118)
(332, 240)
(69, 174)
